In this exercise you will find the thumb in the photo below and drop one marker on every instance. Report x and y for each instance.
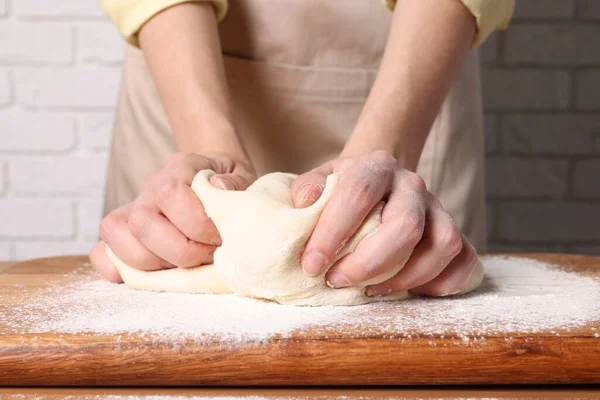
(231, 181)
(102, 263)
(307, 188)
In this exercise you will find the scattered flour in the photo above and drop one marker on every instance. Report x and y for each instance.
(240, 397)
(518, 296)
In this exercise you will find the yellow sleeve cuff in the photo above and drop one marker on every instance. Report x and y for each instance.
(130, 15)
(490, 15)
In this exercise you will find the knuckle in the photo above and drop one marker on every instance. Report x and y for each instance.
(471, 258)
(165, 190)
(361, 191)
(367, 269)
(411, 227)
(435, 203)
(107, 225)
(138, 218)
(384, 157)
(201, 225)
(451, 241)
(414, 182)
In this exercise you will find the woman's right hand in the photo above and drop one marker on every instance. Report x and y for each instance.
(166, 226)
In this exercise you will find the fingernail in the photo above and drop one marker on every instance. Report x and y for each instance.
(380, 290)
(313, 263)
(304, 194)
(225, 184)
(451, 292)
(337, 279)
(216, 241)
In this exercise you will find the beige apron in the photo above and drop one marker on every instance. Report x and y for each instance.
(299, 72)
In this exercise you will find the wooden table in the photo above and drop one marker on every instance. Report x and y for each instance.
(454, 393)
(579, 346)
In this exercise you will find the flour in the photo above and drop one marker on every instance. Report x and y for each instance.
(240, 397)
(518, 296)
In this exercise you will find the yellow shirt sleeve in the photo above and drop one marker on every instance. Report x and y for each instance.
(490, 15)
(130, 15)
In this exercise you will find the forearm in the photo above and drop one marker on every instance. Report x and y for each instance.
(427, 44)
(181, 46)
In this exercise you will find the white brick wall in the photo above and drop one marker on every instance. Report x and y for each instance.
(541, 81)
(59, 74)
(35, 42)
(59, 9)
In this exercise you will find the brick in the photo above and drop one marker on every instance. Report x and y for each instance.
(78, 176)
(63, 8)
(26, 131)
(5, 88)
(539, 134)
(89, 213)
(509, 177)
(39, 42)
(488, 52)
(525, 88)
(586, 179)
(68, 87)
(99, 41)
(27, 250)
(39, 218)
(491, 132)
(5, 253)
(544, 222)
(588, 95)
(552, 44)
(539, 9)
(588, 9)
(96, 130)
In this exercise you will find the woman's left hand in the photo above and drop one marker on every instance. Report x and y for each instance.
(414, 227)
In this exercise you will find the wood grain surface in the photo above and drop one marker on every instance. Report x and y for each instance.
(301, 359)
(578, 392)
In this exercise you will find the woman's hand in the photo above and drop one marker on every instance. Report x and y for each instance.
(414, 227)
(166, 226)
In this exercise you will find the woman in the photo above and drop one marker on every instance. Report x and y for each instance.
(390, 100)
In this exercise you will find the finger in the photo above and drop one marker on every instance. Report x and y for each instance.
(231, 181)
(155, 232)
(401, 229)
(114, 231)
(441, 242)
(181, 206)
(454, 277)
(196, 162)
(308, 187)
(103, 265)
(358, 191)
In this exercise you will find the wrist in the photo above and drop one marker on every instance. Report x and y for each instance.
(376, 130)
(216, 140)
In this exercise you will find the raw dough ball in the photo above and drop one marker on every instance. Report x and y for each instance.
(263, 237)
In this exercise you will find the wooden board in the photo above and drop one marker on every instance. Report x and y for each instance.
(548, 392)
(304, 358)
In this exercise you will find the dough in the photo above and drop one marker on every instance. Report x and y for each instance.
(263, 238)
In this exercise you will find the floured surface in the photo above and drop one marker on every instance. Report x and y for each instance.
(518, 296)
